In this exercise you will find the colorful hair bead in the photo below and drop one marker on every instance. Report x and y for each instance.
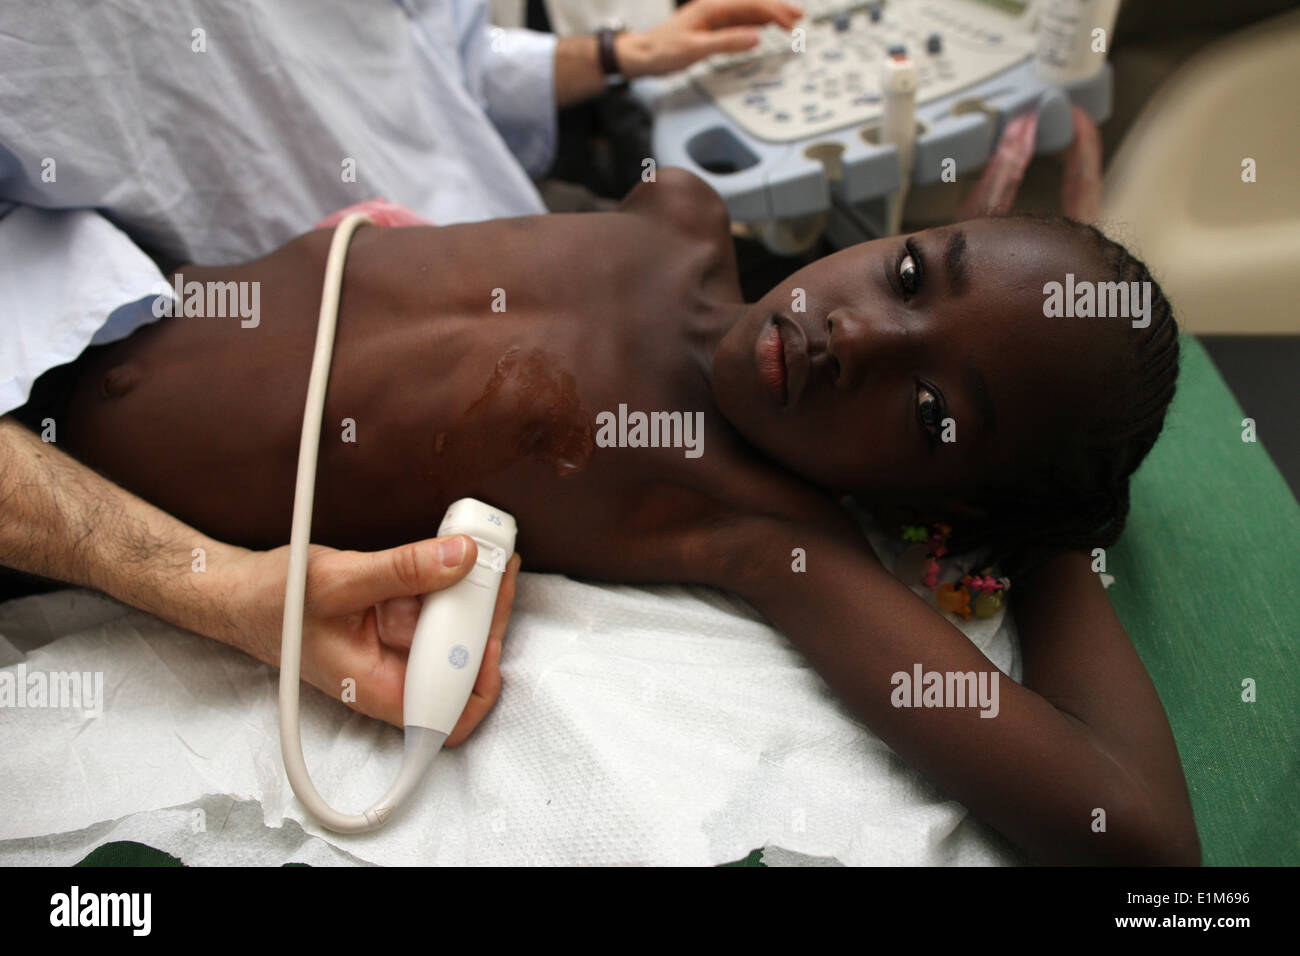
(953, 598)
(988, 604)
(932, 544)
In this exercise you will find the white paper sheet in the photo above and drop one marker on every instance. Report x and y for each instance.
(663, 725)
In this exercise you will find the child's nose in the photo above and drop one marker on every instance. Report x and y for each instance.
(858, 340)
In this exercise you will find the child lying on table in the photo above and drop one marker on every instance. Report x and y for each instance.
(928, 376)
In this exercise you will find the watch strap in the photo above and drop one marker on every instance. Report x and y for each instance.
(608, 57)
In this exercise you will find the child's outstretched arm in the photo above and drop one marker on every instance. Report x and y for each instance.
(1082, 743)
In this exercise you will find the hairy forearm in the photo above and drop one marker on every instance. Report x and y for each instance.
(61, 520)
(1036, 772)
(578, 75)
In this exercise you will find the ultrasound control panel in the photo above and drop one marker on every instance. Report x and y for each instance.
(793, 86)
(789, 127)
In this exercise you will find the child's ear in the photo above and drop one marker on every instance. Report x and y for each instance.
(896, 514)
(957, 511)
(893, 515)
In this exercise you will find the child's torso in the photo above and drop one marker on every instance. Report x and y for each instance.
(469, 360)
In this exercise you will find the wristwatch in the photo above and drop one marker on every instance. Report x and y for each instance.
(614, 78)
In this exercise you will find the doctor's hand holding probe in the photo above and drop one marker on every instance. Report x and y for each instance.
(61, 520)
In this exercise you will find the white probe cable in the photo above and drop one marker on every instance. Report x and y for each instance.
(898, 84)
(422, 744)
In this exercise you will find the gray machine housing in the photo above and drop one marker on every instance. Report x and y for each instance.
(764, 181)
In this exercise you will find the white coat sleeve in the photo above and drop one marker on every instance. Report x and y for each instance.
(511, 73)
(68, 279)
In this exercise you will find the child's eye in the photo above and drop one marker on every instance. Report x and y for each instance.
(929, 407)
(910, 270)
(908, 274)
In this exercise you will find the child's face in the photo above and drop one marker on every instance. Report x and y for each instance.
(886, 351)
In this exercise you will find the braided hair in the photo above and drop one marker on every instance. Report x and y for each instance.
(1077, 498)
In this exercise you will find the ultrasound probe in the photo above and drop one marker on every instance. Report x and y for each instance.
(452, 630)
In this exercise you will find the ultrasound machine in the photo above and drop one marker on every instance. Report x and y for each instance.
(822, 130)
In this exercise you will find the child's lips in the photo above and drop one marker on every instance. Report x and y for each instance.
(769, 358)
(782, 358)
